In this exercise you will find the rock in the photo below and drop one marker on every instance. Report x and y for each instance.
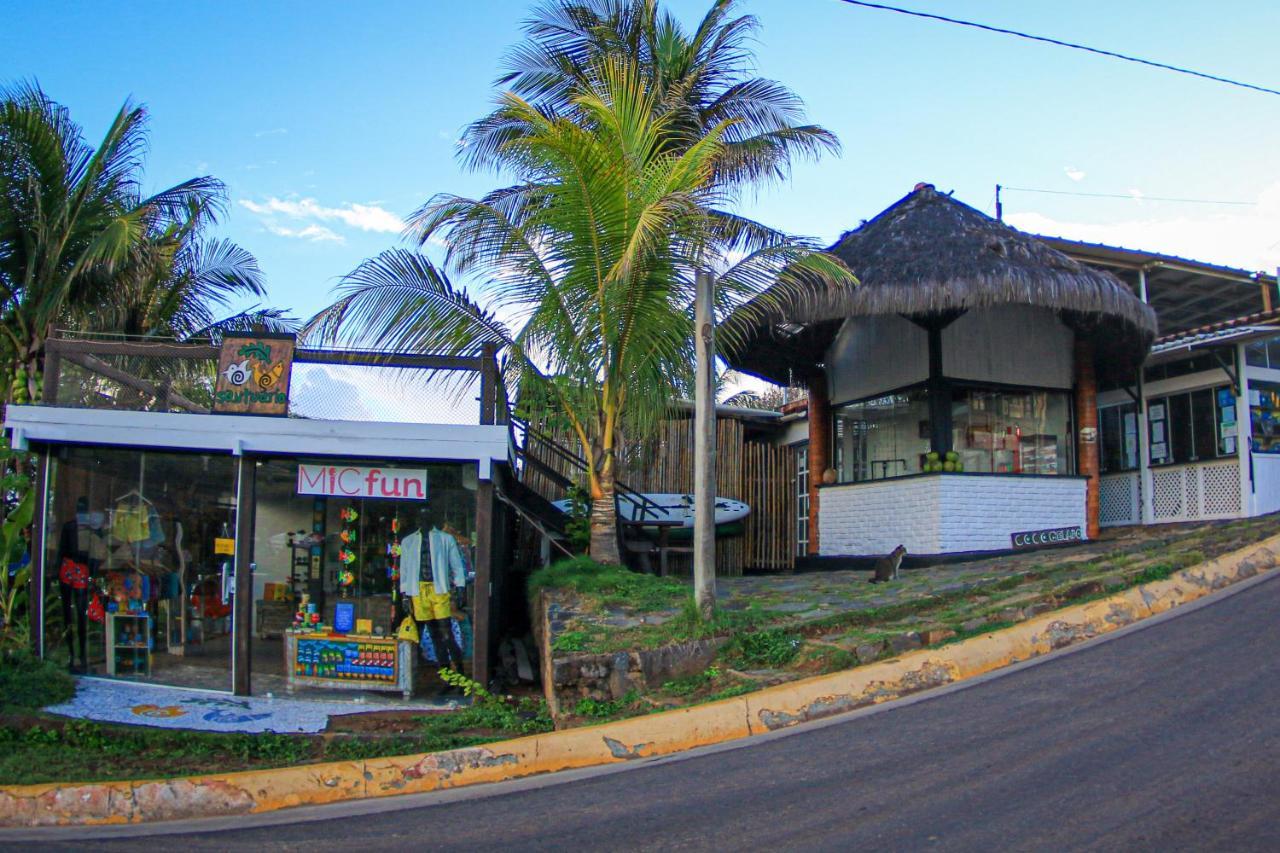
(1082, 590)
(867, 652)
(905, 642)
(1114, 582)
(971, 625)
(933, 636)
(1011, 614)
(1036, 608)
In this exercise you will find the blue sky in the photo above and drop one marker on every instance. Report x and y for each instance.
(330, 121)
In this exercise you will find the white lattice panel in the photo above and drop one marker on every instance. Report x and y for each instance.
(1166, 494)
(1119, 500)
(1190, 492)
(1220, 489)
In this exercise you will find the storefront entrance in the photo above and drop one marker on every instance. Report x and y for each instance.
(333, 537)
(138, 564)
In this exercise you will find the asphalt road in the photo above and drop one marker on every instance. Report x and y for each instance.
(1164, 738)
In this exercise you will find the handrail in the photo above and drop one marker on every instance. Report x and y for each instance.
(644, 505)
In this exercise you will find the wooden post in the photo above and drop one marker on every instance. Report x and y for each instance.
(484, 567)
(52, 370)
(704, 448)
(242, 605)
(488, 383)
(1087, 432)
(819, 450)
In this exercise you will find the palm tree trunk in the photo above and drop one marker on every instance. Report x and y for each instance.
(604, 518)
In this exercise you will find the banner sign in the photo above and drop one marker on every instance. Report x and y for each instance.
(349, 481)
(1051, 536)
(253, 375)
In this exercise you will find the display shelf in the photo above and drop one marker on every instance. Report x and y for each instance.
(128, 642)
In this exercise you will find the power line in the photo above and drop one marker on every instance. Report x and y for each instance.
(1130, 196)
(1061, 43)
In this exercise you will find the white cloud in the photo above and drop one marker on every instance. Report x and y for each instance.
(275, 131)
(1073, 173)
(364, 217)
(314, 233)
(1242, 237)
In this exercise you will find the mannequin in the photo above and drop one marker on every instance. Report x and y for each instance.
(80, 551)
(438, 566)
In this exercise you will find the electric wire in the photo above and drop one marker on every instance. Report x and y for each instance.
(1060, 43)
(1129, 196)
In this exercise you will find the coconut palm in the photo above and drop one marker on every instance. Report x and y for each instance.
(701, 79)
(70, 214)
(586, 266)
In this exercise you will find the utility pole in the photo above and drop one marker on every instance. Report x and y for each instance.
(704, 447)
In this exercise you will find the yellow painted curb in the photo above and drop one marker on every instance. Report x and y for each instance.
(624, 740)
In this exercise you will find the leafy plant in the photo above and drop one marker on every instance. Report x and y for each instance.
(15, 572)
(570, 641)
(578, 527)
(27, 681)
(772, 647)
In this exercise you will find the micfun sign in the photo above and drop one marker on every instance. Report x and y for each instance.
(349, 481)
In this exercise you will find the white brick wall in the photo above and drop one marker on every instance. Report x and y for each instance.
(944, 514)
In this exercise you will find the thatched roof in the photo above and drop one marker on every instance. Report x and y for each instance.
(930, 255)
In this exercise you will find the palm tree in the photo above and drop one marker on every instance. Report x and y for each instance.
(702, 79)
(70, 215)
(588, 263)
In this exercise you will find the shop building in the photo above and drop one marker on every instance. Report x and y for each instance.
(203, 516)
(952, 393)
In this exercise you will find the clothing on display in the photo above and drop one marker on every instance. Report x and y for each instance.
(410, 563)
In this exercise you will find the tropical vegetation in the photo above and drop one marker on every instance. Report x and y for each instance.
(627, 140)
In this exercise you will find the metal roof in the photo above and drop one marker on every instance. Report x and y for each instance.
(1185, 293)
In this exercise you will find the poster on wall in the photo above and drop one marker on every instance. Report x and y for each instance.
(253, 375)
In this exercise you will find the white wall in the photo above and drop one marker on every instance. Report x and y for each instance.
(872, 355)
(944, 513)
(1012, 344)
(1266, 483)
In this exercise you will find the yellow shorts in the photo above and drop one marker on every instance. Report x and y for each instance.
(429, 604)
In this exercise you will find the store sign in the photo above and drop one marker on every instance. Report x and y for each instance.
(253, 375)
(1051, 536)
(349, 481)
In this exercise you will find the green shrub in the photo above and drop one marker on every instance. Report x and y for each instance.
(773, 647)
(26, 681)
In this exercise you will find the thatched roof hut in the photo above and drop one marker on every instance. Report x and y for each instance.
(930, 256)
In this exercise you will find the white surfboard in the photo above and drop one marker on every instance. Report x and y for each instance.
(670, 509)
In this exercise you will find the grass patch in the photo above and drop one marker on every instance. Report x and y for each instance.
(770, 648)
(613, 585)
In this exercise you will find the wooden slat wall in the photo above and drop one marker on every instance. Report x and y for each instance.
(759, 474)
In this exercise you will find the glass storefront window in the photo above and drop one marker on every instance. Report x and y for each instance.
(134, 557)
(1118, 438)
(342, 549)
(883, 437)
(1193, 426)
(1012, 432)
(1264, 416)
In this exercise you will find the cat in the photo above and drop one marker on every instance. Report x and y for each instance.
(886, 568)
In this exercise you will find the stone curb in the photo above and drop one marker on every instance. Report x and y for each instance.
(625, 740)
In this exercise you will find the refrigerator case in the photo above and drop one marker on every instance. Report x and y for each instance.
(1038, 454)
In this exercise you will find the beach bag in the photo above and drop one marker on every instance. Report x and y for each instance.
(408, 630)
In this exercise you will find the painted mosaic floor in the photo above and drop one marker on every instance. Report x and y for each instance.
(164, 707)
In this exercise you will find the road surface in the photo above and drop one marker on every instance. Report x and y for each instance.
(1165, 737)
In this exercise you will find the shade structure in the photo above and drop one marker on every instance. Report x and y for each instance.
(930, 256)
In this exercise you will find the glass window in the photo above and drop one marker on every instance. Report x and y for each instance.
(1255, 354)
(137, 559)
(1118, 438)
(883, 437)
(1193, 426)
(337, 549)
(1264, 417)
(1012, 432)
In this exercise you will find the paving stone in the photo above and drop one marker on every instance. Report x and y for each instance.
(905, 642)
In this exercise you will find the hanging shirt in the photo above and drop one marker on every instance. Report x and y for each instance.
(410, 563)
(446, 561)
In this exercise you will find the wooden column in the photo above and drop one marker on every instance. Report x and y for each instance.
(819, 450)
(480, 630)
(488, 384)
(242, 604)
(1087, 432)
